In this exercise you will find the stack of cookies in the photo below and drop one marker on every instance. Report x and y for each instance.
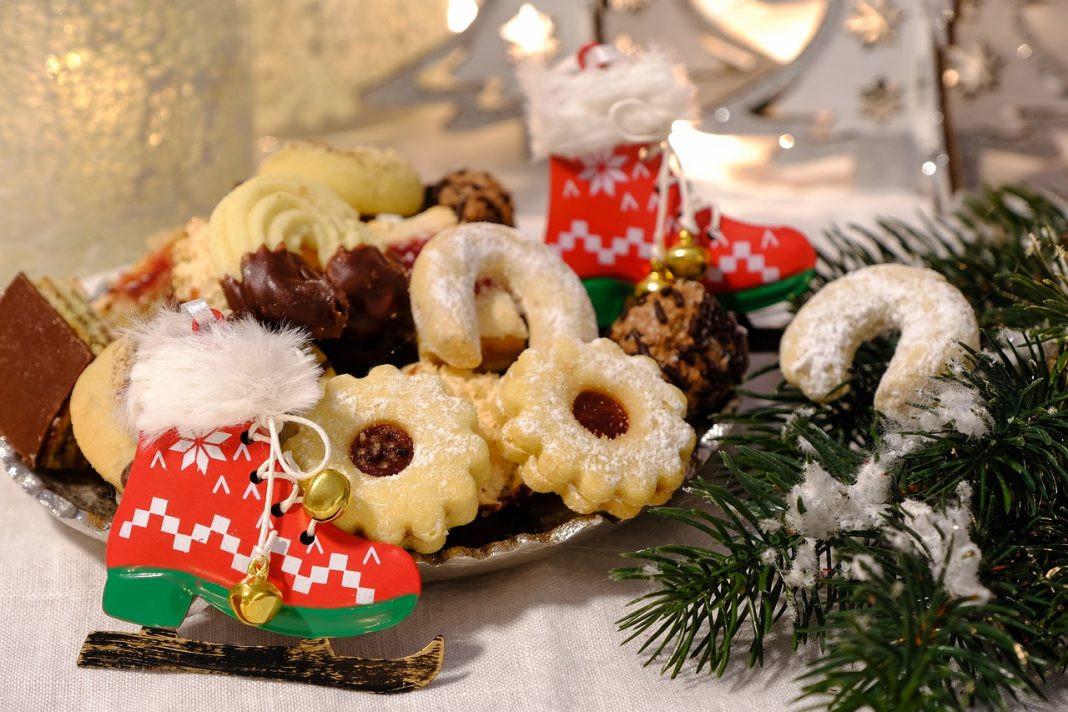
(462, 367)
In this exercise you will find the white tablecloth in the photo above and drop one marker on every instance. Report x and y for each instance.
(539, 637)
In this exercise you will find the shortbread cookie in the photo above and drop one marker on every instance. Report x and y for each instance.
(411, 451)
(372, 180)
(932, 315)
(502, 332)
(480, 390)
(599, 427)
(548, 294)
(275, 209)
(393, 230)
(96, 412)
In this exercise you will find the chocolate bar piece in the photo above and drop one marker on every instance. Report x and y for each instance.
(41, 356)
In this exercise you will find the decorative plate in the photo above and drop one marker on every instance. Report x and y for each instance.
(517, 534)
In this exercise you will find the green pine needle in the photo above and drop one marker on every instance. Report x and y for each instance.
(896, 640)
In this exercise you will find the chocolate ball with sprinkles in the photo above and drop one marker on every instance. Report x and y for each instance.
(475, 196)
(698, 343)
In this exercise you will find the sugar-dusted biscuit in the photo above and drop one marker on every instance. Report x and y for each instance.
(601, 428)
(411, 452)
(932, 315)
(548, 294)
(480, 390)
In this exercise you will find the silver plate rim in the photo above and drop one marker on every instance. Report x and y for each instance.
(449, 563)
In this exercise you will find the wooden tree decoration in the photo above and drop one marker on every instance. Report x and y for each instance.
(865, 86)
(718, 63)
(1005, 86)
(476, 68)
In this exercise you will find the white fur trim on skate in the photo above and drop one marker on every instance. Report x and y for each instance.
(229, 373)
(570, 109)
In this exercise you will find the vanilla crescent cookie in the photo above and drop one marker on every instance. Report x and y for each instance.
(411, 452)
(372, 180)
(932, 315)
(599, 427)
(547, 292)
(304, 215)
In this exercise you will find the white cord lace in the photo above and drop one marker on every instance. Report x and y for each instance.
(264, 429)
(644, 127)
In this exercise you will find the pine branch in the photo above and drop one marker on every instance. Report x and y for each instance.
(850, 420)
(908, 645)
(1022, 464)
(897, 639)
(706, 596)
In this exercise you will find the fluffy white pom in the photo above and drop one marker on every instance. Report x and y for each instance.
(228, 374)
(571, 113)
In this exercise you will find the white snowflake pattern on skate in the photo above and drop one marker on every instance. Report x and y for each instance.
(603, 171)
(200, 449)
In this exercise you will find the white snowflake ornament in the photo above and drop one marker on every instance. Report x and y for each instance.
(603, 170)
(199, 449)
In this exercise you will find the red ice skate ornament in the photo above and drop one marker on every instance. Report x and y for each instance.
(603, 118)
(213, 508)
(600, 118)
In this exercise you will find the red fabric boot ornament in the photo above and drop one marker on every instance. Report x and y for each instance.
(213, 508)
(599, 117)
(753, 266)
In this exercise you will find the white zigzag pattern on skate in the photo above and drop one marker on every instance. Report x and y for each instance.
(230, 544)
(743, 252)
(606, 254)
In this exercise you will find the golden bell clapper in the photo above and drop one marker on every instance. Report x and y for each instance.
(325, 494)
(255, 600)
(686, 259)
(659, 277)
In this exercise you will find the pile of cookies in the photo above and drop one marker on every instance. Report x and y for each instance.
(462, 364)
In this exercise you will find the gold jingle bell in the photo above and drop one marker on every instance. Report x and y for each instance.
(659, 277)
(255, 600)
(686, 259)
(325, 494)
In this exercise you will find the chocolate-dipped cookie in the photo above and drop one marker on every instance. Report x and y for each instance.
(279, 286)
(379, 327)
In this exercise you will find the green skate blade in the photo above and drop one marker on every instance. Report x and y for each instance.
(765, 295)
(160, 598)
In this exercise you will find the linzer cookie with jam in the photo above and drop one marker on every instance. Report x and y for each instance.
(595, 425)
(411, 452)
